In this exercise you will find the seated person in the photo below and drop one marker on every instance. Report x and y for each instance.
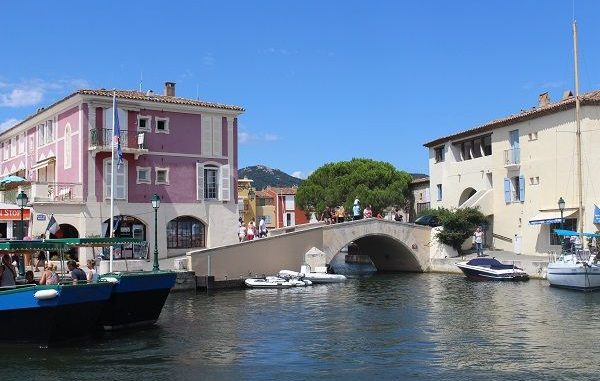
(8, 272)
(49, 276)
(77, 274)
(29, 277)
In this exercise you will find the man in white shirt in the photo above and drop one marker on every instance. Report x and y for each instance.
(262, 228)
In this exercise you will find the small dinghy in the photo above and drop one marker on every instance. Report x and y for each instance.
(318, 277)
(269, 282)
(491, 269)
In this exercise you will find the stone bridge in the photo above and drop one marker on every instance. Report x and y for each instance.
(392, 246)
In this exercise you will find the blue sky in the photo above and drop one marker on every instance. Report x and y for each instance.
(321, 81)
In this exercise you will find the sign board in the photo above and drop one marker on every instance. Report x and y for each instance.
(14, 214)
(41, 217)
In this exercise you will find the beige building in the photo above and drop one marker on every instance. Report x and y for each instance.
(516, 168)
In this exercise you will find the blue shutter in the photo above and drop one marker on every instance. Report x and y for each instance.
(506, 190)
(522, 188)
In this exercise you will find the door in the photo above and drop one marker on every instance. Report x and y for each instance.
(514, 146)
(517, 244)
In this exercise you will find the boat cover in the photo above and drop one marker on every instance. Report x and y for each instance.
(489, 262)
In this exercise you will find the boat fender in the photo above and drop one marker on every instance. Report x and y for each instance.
(45, 294)
(109, 279)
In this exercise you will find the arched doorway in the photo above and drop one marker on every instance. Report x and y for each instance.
(128, 227)
(186, 232)
(67, 231)
(465, 195)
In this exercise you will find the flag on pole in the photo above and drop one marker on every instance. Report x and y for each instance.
(53, 227)
(117, 133)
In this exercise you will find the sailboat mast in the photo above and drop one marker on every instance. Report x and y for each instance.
(578, 134)
(112, 182)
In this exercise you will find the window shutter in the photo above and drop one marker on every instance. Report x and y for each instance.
(522, 188)
(217, 135)
(199, 182)
(206, 128)
(225, 183)
(506, 190)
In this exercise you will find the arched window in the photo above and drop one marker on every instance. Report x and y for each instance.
(67, 147)
(185, 232)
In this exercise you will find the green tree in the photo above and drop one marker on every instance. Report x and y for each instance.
(458, 224)
(374, 183)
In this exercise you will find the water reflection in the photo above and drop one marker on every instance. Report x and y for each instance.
(393, 326)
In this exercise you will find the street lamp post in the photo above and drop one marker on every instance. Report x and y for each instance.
(21, 203)
(561, 206)
(155, 205)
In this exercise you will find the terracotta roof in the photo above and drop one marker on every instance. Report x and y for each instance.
(136, 95)
(263, 194)
(289, 190)
(591, 98)
(420, 180)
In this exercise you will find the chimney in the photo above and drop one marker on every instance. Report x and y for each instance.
(543, 99)
(567, 94)
(170, 89)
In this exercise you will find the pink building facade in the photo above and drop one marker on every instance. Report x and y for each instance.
(181, 149)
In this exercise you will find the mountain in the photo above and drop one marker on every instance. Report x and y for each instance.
(265, 176)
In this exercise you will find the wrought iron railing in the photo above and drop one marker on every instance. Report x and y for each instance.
(129, 139)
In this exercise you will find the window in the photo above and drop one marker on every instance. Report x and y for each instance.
(162, 125)
(143, 175)
(213, 182)
(210, 183)
(162, 176)
(13, 147)
(41, 131)
(262, 201)
(120, 180)
(487, 145)
(67, 147)
(439, 192)
(289, 202)
(514, 189)
(49, 131)
(534, 180)
(439, 154)
(477, 151)
(185, 232)
(570, 224)
(268, 219)
(143, 123)
(533, 136)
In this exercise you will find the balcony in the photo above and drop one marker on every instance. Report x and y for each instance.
(512, 158)
(133, 142)
(69, 193)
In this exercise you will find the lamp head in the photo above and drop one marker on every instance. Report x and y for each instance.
(251, 194)
(561, 204)
(22, 200)
(155, 201)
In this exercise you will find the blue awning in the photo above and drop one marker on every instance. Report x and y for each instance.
(550, 217)
(570, 233)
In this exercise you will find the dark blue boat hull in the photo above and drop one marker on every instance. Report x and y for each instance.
(137, 299)
(71, 314)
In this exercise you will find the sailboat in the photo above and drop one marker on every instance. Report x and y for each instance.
(576, 269)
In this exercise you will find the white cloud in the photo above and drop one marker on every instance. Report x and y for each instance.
(247, 137)
(8, 124)
(32, 92)
(21, 97)
(283, 52)
(298, 174)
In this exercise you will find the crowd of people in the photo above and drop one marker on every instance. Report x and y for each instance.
(49, 275)
(251, 231)
(338, 214)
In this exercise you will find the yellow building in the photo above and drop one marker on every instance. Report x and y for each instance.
(246, 199)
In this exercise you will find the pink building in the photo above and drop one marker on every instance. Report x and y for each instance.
(286, 211)
(184, 150)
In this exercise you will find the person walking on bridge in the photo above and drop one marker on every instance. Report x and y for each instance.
(356, 210)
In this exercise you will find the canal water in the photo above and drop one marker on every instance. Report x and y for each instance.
(384, 327)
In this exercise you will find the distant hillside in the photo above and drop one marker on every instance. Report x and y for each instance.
(265, 176)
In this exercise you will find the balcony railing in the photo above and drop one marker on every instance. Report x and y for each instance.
(512, 156)
(56, 192)
(129, 139)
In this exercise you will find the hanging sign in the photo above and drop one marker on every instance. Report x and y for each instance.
(596, 215)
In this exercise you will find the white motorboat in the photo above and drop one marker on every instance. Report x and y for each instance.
(314, 277)
(491, 269)
(269, 282)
